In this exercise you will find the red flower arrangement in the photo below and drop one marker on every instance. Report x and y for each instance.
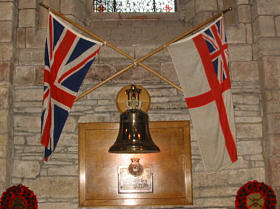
(255, 195)
(18, 197)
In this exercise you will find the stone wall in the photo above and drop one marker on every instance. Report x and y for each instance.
(8, 21)
(255, 97)
(266, 51)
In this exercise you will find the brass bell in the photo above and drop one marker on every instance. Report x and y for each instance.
(134, 135)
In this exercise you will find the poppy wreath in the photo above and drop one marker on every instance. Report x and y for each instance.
(255, 195)
(18, 197)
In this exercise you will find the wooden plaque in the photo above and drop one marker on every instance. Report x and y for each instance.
(171, 167)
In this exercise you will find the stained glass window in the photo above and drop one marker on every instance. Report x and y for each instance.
(127, 6)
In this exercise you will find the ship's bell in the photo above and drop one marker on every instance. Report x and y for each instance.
(134, 135)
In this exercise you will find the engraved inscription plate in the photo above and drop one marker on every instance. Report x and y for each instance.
(129, 183)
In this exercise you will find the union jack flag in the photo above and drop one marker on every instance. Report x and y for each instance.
(201, 62)
(216, 41)
(68, 57)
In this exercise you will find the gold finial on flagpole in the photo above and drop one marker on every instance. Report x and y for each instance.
(227, 10)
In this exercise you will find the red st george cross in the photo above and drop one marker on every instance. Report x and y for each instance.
(212, 48)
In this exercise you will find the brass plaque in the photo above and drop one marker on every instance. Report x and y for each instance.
(129, 183)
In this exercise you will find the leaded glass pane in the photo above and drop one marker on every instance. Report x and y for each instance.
(126, 6)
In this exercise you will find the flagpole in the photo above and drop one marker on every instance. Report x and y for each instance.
(138, 61)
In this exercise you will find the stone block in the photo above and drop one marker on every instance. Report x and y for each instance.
(220, 4)
(5, 68)
(244, 71)
(77, 109)
(97, 117)
(26, 169)
(277, 192)
(63, 156)
(67, 170)
(242, 2)
(25, 108)
(246, 99)
(110, 56)
(27, 123)
(137, 73)
(162, 115)
(27, 4)
(240, 52)
(271, 70)
(53, 187)
(4, 115)
(216, 202)
(164, 100)
(230, 17)
(67, 140)
(102, 109)
(272, 100)
(4, 97)
(257, 157)
(273, 122)
(251, 119)
(236, 34)
(43, 17)
(247, 131)
(27, 18)
(78, 8)
(155, 92)
(67, 6)
(263, 27)
(3, 166)
(268, 7)
(19, 140)
(274, 145)
(249, 147)
(60, 205)
(227, 177)
(249, 36)
(33, 140)
(21, 37)
(277, 24)
(35, 38)
(254, 10)
(3, 145)
(6, 34)
(7, 10)
(104, 92)
(31, 56)
(210, 5)
(33, 149)
(189, 8)
(99, 72)
(240, 163)
(244, 13)
(39, 73)
(24, 74)
(28, 94)
(6, 51)
(55, 4)
(275, 170)
(160, 56)
(200, 17)
(70, 125)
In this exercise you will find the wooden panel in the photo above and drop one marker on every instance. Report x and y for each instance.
(98, 184)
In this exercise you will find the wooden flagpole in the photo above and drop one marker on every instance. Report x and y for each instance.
(138, 61)
(114, 48)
